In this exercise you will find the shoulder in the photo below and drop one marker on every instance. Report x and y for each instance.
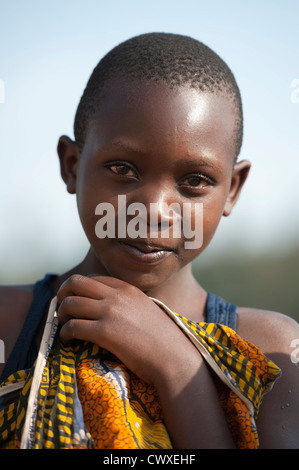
(14, 297)
(271, 331)
(15, 302)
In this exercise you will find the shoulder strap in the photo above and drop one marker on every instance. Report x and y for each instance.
(25, 351)
(220, 311)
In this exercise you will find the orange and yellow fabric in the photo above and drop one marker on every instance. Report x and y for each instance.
(81, 396)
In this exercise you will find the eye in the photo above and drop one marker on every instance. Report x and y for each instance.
(122, 169)
(196, 182)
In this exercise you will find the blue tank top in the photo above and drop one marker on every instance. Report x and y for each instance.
(25, 350)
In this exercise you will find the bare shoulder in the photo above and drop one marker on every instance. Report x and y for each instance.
(13, 299)
(271, 331)
(15, 302)
(278, 337)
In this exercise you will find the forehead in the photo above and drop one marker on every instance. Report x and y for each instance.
(152, 114)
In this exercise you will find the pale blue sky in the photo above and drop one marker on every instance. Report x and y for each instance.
(47, 52)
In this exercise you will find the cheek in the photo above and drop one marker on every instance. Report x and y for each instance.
(212, 214)
(210, 226)
(203, 223)
(86, 204)
(204, 216)
(90, 192)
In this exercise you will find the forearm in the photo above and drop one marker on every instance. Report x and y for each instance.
(191, 407)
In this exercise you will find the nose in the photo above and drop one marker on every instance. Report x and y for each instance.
(161, 206)
(163, 214)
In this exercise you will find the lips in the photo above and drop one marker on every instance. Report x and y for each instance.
(145, 252)
(146, 247)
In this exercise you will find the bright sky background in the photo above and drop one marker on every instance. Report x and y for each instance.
(47, 53)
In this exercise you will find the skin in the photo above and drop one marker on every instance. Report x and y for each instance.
(160, 145)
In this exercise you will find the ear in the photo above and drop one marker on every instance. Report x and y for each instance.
(68, 153)
(239, 176)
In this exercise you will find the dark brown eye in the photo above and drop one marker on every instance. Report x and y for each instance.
(195, 181)
(122, 169)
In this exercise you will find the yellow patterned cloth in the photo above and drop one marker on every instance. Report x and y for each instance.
(81, 396)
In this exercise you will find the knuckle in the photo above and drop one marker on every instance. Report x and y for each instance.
(73, 328)
(69, 286)
(105, 320)
(68, 331)
(71, 325)
(66, 304)
(128, 289)
(65, 309)
(76, 278)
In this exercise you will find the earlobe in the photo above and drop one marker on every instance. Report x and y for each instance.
(68, 156)
(239, 176)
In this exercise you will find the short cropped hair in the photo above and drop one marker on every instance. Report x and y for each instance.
(174, 59)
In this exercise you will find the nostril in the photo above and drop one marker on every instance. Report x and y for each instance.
(162, 214)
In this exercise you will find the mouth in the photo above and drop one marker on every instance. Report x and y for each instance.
(145, 252)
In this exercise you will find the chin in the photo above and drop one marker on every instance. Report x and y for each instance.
(144, 274)
(143, 281)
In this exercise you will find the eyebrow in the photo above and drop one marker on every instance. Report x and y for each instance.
(123, 146)
(200, 161)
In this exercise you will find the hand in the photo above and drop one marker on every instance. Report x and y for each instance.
(122, 319)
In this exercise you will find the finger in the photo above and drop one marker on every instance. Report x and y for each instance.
(83, 286)
(108, 280)
(78, 307)
(84, 330)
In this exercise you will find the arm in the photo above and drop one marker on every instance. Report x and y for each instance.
(191, 407)
(14, 305)
(278, 421)
(123, 320)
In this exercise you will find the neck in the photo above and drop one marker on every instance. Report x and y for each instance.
(182, 294)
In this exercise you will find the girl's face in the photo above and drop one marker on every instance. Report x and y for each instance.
(155, 146)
